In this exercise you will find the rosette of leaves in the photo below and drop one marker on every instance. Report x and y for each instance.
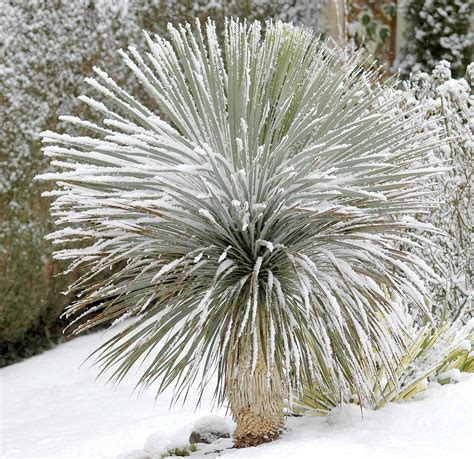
(252, 227)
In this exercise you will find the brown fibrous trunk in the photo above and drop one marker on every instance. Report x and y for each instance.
(255, 399)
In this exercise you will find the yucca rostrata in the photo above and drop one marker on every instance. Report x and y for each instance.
(256, 208)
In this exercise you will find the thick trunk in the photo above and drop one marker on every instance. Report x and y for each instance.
(255, 399)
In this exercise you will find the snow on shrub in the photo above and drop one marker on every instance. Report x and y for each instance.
(449, 108)
(437, 30)
(45, 48)
(432, 353)
(252, 229)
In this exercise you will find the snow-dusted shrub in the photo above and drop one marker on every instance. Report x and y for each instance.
(441, 349)
(253, 228)
(449, 107)
(437, 30)
(309, 13)
(44, 48)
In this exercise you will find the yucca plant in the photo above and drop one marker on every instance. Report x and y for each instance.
(249, 222)
(432, 352)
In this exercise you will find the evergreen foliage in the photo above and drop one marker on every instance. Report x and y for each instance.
(260, 217)
(433, 353)
(437, 30)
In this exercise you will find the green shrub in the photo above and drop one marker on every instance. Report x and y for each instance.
(432, 353)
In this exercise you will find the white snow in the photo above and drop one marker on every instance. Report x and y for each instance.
(453, 376)
(212, 423)
(51, 408)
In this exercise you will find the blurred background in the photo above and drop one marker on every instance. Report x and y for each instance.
(47, 47)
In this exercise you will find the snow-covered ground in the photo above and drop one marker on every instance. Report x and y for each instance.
(51, 408)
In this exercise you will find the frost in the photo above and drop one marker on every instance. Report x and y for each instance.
(197, 258)
(168, 268)
(438, 33)
(223, 267)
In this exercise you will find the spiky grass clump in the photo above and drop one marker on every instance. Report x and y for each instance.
(432, 352)
(260, 212)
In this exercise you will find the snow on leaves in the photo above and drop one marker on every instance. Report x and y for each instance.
(262, 206)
